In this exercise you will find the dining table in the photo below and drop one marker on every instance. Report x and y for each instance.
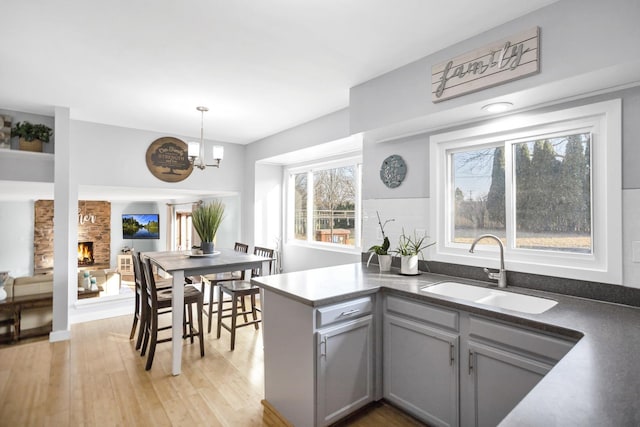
(181, 264)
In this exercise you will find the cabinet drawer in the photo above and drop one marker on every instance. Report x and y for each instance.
(542, 345)
(423, 311)
(344, 311)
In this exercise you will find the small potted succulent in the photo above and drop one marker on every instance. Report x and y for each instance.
(31, 136)
(409, 248)
(382, 251)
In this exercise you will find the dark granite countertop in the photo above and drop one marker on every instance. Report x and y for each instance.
(596, 384)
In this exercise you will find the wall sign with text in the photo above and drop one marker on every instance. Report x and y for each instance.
(509, 59)
(167, 159)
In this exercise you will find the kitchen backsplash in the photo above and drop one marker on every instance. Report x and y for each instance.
(413, 214)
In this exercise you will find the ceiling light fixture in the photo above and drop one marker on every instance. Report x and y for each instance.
(196, 149)
(497, 107)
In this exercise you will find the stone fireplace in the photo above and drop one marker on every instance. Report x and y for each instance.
(94, 227)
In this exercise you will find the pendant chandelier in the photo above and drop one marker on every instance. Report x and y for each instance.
(196, 151)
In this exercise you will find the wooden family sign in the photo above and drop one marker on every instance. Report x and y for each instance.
(509, 59)
(167, 159)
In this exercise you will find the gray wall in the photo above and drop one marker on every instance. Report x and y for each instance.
(580, 39)
(587, 47)
(109, 156)
(326, 128)
(415, 150)
(117, 242)
(263, 213)
(115, 156)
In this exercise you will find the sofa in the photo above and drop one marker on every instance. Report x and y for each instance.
(108, 280)
(29, 285)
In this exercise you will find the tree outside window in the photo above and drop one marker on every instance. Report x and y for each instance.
(551, 193)
(328, 205)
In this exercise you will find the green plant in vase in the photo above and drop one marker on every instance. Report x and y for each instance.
(382, 251)
(409, 248)
(206, 219)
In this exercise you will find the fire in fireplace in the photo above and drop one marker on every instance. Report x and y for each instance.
(85, 253)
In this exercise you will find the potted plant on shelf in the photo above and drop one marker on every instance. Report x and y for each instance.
(409, 248)
(31, 136)
(206, 219)
(384, 258)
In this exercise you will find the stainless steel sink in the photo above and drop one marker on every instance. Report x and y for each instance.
(491, 297)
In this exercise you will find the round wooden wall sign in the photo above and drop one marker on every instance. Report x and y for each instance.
(167, 159)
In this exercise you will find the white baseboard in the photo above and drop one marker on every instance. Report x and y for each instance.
(64, 335)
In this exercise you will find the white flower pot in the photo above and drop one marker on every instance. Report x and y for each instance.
(384, 261)
(409, 265)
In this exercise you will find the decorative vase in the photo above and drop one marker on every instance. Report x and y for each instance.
(409, 265)
(34, 145)
(3, 293)
(207, 247)
(384, 262)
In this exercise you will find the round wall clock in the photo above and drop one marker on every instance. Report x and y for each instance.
(167, 159)
(393, 171)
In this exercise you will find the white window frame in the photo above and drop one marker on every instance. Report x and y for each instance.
(310, 168)
(604, 121)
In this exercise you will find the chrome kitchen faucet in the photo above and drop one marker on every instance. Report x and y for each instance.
(500, 276)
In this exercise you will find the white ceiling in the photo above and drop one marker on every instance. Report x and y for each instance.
(260, 66)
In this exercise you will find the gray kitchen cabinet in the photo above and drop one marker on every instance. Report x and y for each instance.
(318, 361)
(420, 364)
(344, 368)
(503, 363)
(420, 370)
(451, 368)
(497, 380)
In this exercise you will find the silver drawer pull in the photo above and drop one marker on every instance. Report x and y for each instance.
(349, 313)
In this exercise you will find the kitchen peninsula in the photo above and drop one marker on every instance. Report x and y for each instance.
(327, 351)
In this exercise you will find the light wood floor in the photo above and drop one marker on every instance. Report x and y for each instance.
(98, 379)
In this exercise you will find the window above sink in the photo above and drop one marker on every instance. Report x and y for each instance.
(548, 185)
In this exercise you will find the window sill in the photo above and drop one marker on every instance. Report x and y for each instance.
(325, 247)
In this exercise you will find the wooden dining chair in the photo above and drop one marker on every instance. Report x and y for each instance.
(140, 314)
(159, 302)
(238, 290)
(212, 281)
(137, 313)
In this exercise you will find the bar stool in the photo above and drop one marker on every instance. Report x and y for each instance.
(238, 290)
(214, 279)
(158, 301)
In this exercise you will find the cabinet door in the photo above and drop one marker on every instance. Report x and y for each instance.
(421, 370)
(125, 264)
(344, 369)
(496, 380)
